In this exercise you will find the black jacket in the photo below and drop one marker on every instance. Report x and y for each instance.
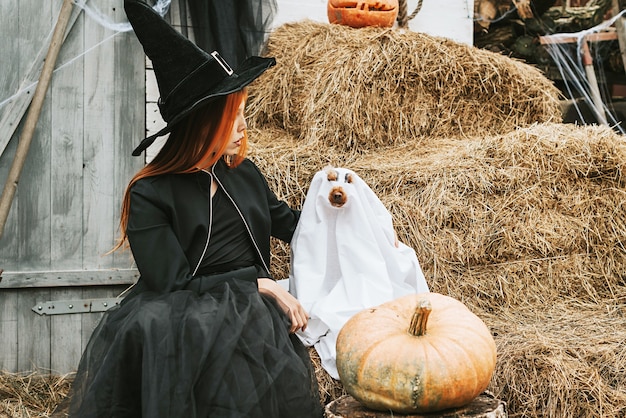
(169, 215)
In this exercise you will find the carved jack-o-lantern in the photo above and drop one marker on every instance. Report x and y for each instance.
(360, 13)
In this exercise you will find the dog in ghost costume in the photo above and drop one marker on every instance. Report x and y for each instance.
(345, 258)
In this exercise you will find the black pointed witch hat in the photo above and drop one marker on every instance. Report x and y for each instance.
(186, 75)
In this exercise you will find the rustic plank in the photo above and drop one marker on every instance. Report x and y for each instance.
(9, 239)
(100, 196)
(33, 332)
(64, 278)
(129, 128)
(9, 82)
(8, 330)
(66, 154)
(65, 334)
(33, 193)
(9, 72)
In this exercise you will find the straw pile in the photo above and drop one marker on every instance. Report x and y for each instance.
(567, 359)
(528, 229)
(518, 216)
(539, 199)
(370, 87)
(31, 395)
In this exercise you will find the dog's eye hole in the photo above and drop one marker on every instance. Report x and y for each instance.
(331, 175)
(348, 178)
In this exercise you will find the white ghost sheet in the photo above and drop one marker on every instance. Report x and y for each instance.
(344, 258)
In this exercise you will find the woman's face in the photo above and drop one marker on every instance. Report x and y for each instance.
(237, 134)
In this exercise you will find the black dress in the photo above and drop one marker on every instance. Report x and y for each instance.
(217, 348)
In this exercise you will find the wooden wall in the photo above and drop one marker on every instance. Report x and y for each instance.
(65, 213)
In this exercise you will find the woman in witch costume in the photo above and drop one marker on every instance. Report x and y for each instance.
(206, 331)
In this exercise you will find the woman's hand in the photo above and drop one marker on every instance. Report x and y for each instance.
(294, 310)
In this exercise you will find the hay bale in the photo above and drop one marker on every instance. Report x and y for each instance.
(540, 208)
(566, 359)
(364, 88)
(528, 229)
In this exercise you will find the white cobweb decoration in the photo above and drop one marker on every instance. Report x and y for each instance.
(91, 10)
(579, 63)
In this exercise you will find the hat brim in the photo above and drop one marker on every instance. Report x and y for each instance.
(249, 71)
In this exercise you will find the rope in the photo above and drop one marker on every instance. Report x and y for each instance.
(403, 19)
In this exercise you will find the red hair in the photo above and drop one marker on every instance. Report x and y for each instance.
(195, 143)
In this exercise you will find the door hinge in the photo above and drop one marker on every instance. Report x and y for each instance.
(60, 307)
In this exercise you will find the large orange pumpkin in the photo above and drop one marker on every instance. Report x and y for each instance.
(416, 354)
(360, 13)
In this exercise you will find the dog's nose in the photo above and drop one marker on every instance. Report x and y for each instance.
(337, 197)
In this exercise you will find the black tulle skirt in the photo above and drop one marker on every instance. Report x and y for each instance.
(223, 353)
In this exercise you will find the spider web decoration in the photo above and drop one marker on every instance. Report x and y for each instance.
(579, 59)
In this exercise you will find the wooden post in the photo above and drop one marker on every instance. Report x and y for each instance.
(484, 406)
(598, 105)
(621, 31)
(33, 113)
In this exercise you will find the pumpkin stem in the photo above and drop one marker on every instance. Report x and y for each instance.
(420, 318)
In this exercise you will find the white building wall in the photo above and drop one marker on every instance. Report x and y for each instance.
(452, 19)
